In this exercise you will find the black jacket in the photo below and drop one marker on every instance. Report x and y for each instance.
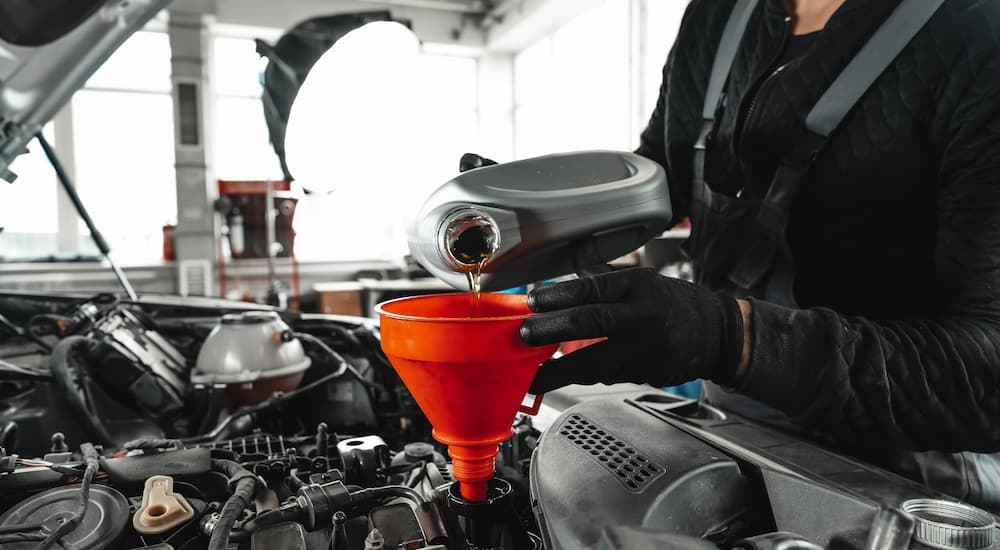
(895, 236)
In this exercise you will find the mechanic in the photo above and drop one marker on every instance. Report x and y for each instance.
(868, 312)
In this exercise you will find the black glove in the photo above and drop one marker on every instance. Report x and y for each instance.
(659, 330)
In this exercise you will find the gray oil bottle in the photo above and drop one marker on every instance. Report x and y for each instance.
(539, 218)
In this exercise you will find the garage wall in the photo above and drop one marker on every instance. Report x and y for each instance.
(249, 277)
(525, 23)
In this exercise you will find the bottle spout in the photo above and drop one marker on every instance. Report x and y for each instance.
(468, 239)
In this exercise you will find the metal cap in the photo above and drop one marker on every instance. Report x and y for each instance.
(950, 525)
(418, 450)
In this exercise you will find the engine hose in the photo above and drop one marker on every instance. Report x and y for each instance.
(153, 444)
(73, 382)
(263, 519)
(18, 331)
(240, 415)
(90, 458)
(394, 491)
(417, 475)
(56, 324)
(343, 365)
(243, 485)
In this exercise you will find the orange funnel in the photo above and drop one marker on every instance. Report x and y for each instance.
(468, 370)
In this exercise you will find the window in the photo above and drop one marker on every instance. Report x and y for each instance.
(446, 125)
(572, 87)
(122, 140)
(28, 207)
(591, 57)
(124, 149)
(534, 117)
(661, 22)
(125, 170)
(241, 146)
(141, 64)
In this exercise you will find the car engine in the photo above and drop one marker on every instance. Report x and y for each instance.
(172, 425)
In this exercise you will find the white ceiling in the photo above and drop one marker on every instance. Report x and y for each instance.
(501, 25)
(451, 22)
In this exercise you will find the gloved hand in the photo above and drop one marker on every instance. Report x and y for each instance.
(659, 330)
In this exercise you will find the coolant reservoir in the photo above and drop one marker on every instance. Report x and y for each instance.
(539, 218)
(254, 354)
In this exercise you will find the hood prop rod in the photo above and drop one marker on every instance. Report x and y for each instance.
(70, 189)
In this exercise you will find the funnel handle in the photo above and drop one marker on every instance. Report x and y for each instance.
(535, 405)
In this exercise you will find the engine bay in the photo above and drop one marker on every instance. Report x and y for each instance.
(299, 418)
(200, 424)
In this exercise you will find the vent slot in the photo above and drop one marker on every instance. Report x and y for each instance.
(631, 468)
(195, 277)
(445, 472)
(188, 123)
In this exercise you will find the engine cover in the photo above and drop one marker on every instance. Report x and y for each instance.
(607, 463)
(662, 465)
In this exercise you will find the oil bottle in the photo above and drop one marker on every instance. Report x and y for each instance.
(534, 219)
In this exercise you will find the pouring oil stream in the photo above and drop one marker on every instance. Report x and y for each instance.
(471, 239)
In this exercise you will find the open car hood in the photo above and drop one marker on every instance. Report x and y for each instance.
(48, 50)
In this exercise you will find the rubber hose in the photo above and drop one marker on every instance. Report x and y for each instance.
(227, 467)
(243, 491)
(90, 457)
(394, 491)
(153, 444)
(72, 380)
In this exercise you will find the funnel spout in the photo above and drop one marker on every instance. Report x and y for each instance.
(473, 467)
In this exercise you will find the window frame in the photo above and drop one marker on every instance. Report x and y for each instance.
(69, 232)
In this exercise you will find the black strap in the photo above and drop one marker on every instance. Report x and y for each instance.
(732, 35)
(871, 61)
(888, 41)
(874, 58)
(833, 106)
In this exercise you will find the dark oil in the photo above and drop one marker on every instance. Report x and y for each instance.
(474, 277)
(472, 245)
